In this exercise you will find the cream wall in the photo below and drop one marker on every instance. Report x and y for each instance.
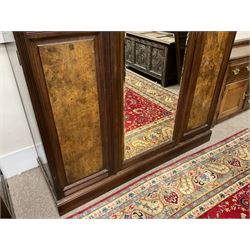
(242, 35)
(14, 131)
(17, 151)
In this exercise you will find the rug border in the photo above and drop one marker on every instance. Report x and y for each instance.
(145, 176)
(154, 82)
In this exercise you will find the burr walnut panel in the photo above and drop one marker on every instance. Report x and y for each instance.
(212, 57)
(70, 75)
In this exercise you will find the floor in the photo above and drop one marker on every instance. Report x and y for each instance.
(32, 198)
(174, 88)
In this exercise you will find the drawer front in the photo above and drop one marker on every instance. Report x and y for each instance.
(238, 72)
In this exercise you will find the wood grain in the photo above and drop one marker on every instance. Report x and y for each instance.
(233, 98)
(212, 58)
(70, 74)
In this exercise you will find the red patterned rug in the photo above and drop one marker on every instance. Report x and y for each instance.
(149, 114)
(212, 183)
(235, 206)
(140, 111)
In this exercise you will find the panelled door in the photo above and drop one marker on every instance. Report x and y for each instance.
(68, 75)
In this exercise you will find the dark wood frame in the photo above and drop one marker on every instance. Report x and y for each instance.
(241, 42)
(120, 171)
(178, 52)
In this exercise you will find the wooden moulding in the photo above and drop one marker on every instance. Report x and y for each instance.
(242, 42)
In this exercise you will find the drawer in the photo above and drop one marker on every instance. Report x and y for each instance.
(238, 72)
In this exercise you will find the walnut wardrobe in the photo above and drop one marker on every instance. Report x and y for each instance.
(75, 82)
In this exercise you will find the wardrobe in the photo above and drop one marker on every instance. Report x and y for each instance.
(75, 82)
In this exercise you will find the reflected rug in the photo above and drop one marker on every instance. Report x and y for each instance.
(211, 183)
(149, 114)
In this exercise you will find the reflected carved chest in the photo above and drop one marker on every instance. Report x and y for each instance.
(152, 54)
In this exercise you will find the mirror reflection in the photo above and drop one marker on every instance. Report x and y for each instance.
(154, 63)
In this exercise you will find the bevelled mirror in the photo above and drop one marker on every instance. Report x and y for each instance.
(153, 67)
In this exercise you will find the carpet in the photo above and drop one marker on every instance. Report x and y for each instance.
(211, 183)
(149, 114)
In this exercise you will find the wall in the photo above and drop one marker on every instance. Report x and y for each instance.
(242, 35)
(17, 152)
(14, 131)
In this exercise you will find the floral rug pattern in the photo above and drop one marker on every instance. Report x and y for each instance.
(149, 114)
(212, 183)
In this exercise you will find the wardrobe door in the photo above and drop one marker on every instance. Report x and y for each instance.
(210, 59)
(68, 75)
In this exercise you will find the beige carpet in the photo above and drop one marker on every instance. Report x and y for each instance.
(32, 198)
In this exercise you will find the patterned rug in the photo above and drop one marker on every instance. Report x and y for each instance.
(212, 183)
(149, 114)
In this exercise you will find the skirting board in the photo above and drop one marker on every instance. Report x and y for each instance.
(19, 161)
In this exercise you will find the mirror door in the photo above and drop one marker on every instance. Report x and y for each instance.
(153, 66)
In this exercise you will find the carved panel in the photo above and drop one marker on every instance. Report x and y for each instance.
(213, 52)
(129, 50)
(149, 57)
(157, 60)
(70, 74)
(141, 55)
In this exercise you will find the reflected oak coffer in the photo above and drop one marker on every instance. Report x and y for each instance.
(75, 80)
(152, 53)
